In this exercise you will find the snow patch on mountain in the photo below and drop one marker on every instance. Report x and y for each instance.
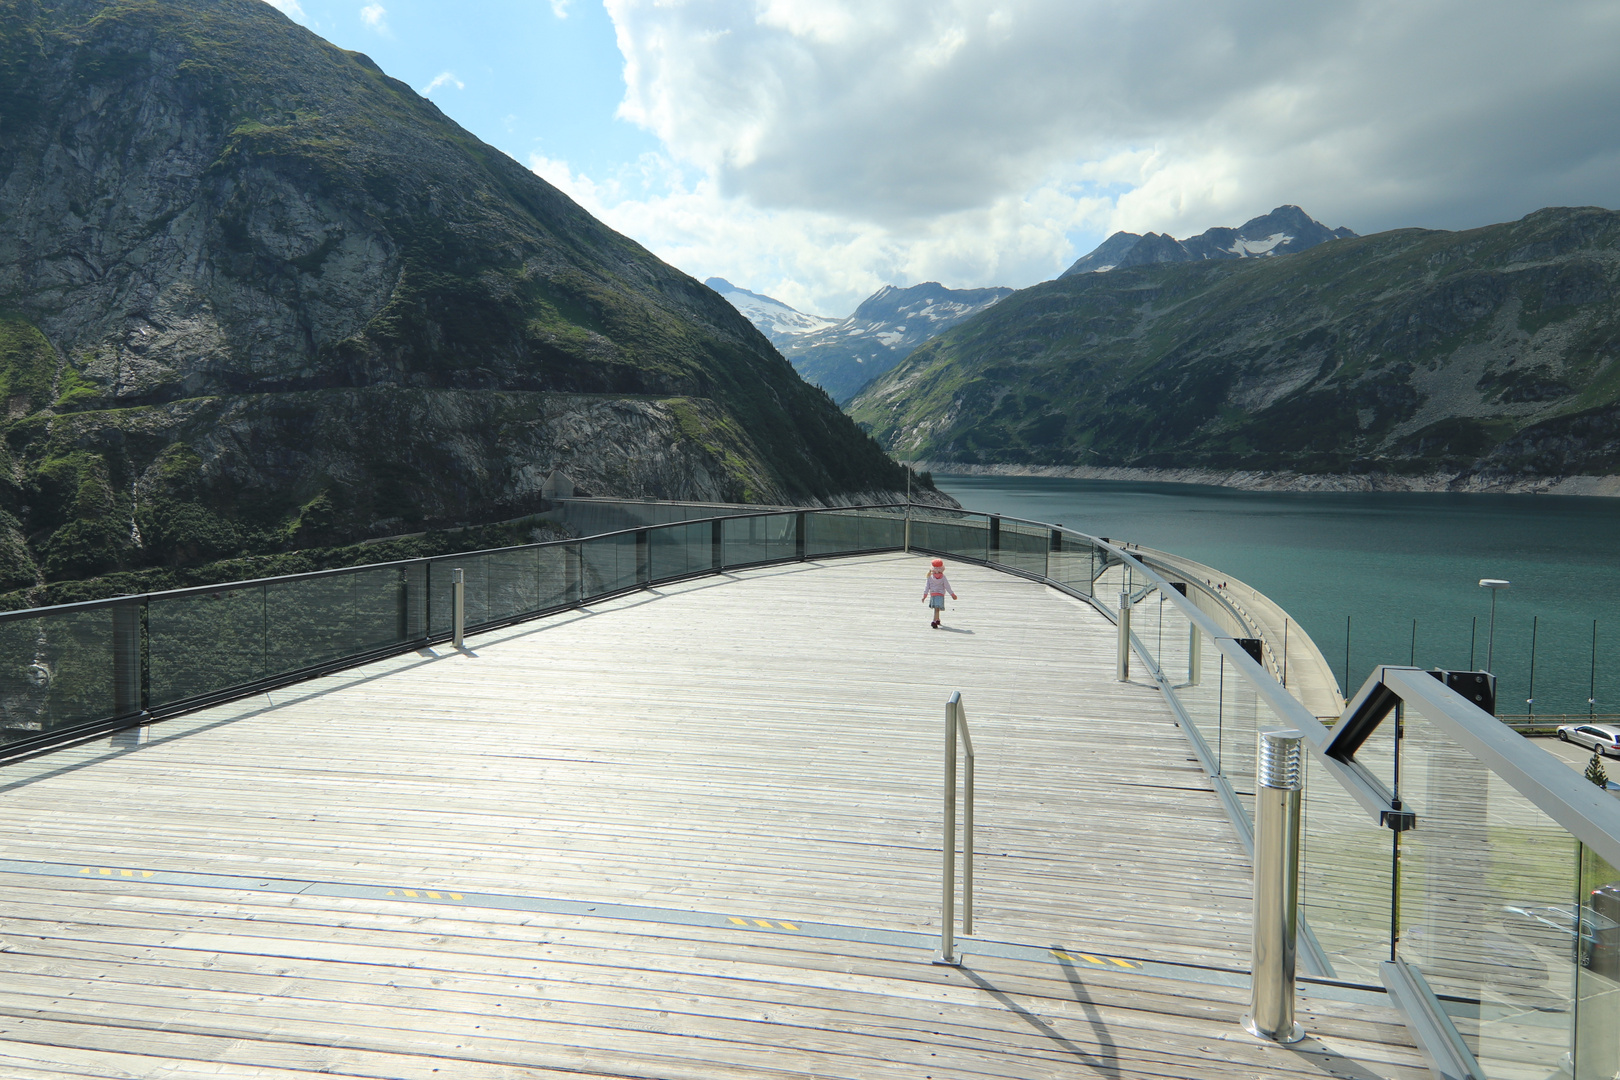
(774, 318)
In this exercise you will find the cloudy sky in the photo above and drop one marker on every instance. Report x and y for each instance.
(818, 149)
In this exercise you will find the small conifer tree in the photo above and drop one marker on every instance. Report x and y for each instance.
(1596, 773)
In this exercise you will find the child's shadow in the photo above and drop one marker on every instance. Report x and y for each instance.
(954, 629)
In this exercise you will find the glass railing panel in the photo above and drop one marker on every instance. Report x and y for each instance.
(1595, 930)
(1074, 564)
(1346, 876)
(835, 532)
(551, 576)
(678, 550)
(312, 621)
(475, 597)
(416, 600)
(58, 672)
(761, 538)
(883, 530)
(440, 595)
(964, 536)
(607, 564)
(1244, 714)
(1115, 575)
(1200, 692)
(1023, 547)
(1169, 641)
(202, 643)
(513, 584)
(1486, 883)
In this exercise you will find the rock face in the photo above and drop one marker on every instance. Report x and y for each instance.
(1284, 231)
(254, 291)
(1479, 359)
(841, 356)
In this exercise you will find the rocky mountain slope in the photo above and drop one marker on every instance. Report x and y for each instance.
(1284, 231)
(841, 356)
(1478, 358)
(255, 294)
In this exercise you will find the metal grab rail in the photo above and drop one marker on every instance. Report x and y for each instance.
(955, 725)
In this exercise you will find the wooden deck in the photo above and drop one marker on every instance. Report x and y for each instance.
(686, 833)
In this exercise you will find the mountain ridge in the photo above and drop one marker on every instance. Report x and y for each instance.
(843, 355)
(1284, 231)
(1489, 357)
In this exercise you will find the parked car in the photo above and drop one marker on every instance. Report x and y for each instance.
(1605, 954)
(1601, 738)
(1593, 936)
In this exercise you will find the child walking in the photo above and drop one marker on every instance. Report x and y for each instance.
(934, 589)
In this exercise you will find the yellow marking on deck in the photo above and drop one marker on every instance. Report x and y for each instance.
(410, 892)
(433, 896)
(787, 926)
(455, 896)
(764, 923)
(1088, 958)
(1126, 964)
(739, 922)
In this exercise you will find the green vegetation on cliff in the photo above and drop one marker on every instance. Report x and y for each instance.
(260, 296)
(1491, 352)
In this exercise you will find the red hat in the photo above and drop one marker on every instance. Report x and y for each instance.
(939, 562)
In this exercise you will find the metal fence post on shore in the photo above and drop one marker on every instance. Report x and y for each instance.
(458, 605)
(1123, 671)
(1278, 770)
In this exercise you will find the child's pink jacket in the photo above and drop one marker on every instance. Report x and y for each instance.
(937, 586)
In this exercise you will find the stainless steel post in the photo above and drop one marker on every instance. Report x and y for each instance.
(1276, 888)
(1195, 655)
(458, 589)
(908, 522)
(1124, 666)
(967, 819)
(947, 894)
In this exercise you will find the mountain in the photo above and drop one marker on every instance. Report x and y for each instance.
(256, 294)
(846, 355)
(776, 320)
(1284, 231)
(1477, 358)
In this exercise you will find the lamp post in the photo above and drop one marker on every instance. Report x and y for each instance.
(1495, 585)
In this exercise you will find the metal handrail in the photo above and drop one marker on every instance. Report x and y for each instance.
(956, 725)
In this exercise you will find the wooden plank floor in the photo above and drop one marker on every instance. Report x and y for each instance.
(764, 746)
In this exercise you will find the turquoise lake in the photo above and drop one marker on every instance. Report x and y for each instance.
(1384, 560)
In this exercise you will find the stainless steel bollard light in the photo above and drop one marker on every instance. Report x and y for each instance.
(458, 589)
(1279, 770)
(1124, 666)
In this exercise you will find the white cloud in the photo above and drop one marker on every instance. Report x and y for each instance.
(376, 17)
(288, 8)
(443, 78)
(837, 142)
(559, 8)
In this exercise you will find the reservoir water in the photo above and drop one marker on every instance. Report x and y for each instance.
(1384, 561)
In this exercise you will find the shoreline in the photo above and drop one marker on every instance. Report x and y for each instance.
(1262, 480)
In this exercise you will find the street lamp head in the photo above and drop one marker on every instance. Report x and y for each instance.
(1493, 583)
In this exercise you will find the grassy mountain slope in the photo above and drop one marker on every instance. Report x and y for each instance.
(1490, 352)
(256, 294)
